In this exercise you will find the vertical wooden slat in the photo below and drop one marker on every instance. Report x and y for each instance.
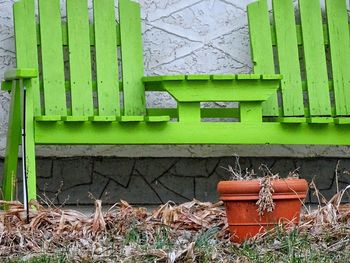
(132, 58)
(26, 44)
(261, 47)
(79, 58)
(106, 58)
(52, 57)
(338, 29)
(315, 58)
(288, 57)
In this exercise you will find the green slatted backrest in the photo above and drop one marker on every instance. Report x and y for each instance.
(308, 40)
(79, 37)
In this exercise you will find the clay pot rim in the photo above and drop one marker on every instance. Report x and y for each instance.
(249, 190)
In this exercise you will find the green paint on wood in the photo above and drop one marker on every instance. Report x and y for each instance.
(79, 58)
(48, 118)
(103, 118)
(52, 58)
(132, 57)
(30, 136)
(75, 118)
(315, 58)
(189, 112)
(130, 118)
(157, 118)
(12, 143)
(191, 133)
(106, 58)
(261, 47)
(20, 73)
(223, 90)
(26, 45)
(339, 39)
(288, 58)
(342, 120)
(250, 112)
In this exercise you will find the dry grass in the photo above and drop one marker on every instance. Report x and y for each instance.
(190, 232)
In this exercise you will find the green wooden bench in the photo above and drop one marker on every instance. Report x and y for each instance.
(72, 106)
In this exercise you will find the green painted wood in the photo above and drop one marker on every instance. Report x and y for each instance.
(338, 30)
(299, 35)
(315, 58)
(132, 57)
(12, 143)
(26, 46)
(52, 57)
(164, 113)
(48, 118)
(191, 133)
(288, 58)
(320, 120)
(20, 73)
(106, 58)
(342, 121)
(248, 76)
(212, 77)
(103, 118)
(163, 78)
(92, 37)
(131, 118)
(198, 77)
(91, 34)
(157, 118)
(213, 91)
(223, 77)
(75, 118)
(271, 76)
(189, 112)
(250, 112)
(6, 85)
(205, 112)
(261, 47)
(79, 58)
(290, 119)
(30, 135)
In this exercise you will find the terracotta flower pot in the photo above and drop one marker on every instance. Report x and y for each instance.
(240, 199)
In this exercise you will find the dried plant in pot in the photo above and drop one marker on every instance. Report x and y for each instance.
(256, 205)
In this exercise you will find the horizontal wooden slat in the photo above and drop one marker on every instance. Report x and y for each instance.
(65, 34)
(191, 133)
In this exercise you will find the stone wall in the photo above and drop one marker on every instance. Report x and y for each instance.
(150, 181)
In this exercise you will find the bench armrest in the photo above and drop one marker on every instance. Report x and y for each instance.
(20, 73)
(16, 74)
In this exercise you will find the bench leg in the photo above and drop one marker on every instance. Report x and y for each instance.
(30, 142)
(31, 166)
(12, 143)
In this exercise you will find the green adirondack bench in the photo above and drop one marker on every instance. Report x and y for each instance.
(79, 108)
